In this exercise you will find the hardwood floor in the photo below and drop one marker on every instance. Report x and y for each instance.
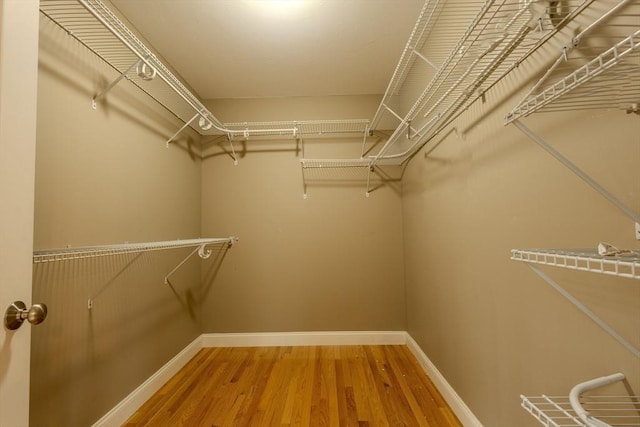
(301, 386)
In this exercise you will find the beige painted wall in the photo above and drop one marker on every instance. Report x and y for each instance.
(105, 177)
(335, 261)
(491, 326)
(330, 262)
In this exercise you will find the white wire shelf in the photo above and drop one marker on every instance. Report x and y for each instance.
(496, 36)
(598, 69)
(97, 28)
(335, 163)
(341, 172)
(298, 128)
(103, 33)
(81, 252)
(582, 259)
(556, 411)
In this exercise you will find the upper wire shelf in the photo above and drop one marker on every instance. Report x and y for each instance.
(103, 33)
(496, 37)
(81, 252)
(582, 259)
(599, 68)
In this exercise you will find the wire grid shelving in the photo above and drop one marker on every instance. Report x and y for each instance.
(599, 68)
(556, 411)
(82, 252)
(298, 128)
(101, 31)
(496, 37)
(582, 259)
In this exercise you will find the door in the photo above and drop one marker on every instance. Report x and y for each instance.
(18, 92)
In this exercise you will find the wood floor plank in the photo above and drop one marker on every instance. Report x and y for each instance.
(298, 386)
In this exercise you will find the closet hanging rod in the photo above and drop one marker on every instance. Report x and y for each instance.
(81, 252)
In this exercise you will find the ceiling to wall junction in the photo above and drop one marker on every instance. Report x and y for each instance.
(277, 48)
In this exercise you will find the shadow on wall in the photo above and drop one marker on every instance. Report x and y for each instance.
(86, 360)
(58, 50)
(334, 175)
(212, 272)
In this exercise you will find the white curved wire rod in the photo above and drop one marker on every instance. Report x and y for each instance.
(578, 389)
(81, 252)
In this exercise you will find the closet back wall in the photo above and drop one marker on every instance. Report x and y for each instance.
(105, 177)
(331, 262)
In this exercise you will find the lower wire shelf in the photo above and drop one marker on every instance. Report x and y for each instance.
(582, 259)
(578, 409)
(556, 411)
(81, 252)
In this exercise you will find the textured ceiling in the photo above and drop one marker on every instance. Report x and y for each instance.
(277, 48)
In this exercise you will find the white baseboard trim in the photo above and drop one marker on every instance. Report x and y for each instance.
(457, 405)
(304, 338)
(127, 407)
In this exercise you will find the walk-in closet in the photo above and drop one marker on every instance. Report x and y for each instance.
(320, 212)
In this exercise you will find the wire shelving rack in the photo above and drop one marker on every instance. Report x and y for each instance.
(101, 31)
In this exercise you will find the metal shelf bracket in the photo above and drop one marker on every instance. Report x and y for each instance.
(99, 96)
(576, 170)
(634, 350)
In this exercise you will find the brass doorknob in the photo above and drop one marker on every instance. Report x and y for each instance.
(17, 313)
